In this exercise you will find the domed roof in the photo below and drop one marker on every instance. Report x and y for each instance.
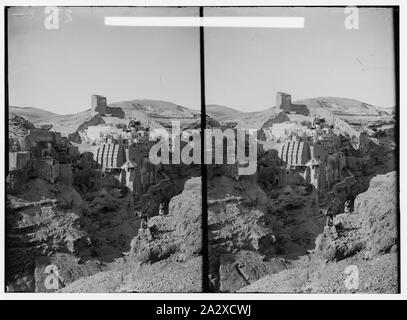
(295, 152)
(110, 155)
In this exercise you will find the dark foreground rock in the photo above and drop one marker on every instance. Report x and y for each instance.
(359, 255)
(177, 233)
(165, 257)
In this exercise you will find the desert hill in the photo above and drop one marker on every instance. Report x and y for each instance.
(344, 105)
(154, 113)
(349, 110)
(221, 112)
(348, 114)
(30, 113)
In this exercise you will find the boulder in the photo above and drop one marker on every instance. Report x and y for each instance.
(371, 229)
(179, 232)
(377, 211)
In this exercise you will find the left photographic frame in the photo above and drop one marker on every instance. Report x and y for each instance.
(89, 99)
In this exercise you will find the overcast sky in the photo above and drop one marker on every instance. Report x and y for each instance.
(59, 70)
(245, 67)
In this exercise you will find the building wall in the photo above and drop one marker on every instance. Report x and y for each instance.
(72, 151)
(15, 180)
(319, 152)
(136, 153)
(137, 183)
(46, 169)
(66, 174)
(42, 135)
(283, 101)
(314, 175)
(333, 170)
(99, 105)
(61, 141)
(299, 109)
(19, 160)
(318, 179)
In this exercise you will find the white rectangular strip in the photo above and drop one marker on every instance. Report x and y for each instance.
(234, 22)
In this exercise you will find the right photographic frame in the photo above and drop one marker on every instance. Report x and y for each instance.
(302, 140)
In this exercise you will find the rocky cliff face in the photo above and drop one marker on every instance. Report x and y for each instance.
(18, 127)
(45, 220)
(178, 233)
(40, 222)
(242, 234)
(165, 257)
(359, 256)
(377, 211)
(371, 229)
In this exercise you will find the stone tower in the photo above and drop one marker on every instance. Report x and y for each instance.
(283, 101)
(98, 104)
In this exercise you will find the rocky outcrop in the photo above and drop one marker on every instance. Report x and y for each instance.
(245, 267)
(350, 275)
(40, 222)
(377, 212)
(59, 270)
(186, 208)
(357, 255)
(178, 233)
(338, 244)
(46, 219)
(279, 118)
(17, 128)
(165, 257)
(241, 234)
(94, 121)
(370, 230)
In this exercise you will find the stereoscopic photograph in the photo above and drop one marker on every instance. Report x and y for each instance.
(87, 211)
(212, 149)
